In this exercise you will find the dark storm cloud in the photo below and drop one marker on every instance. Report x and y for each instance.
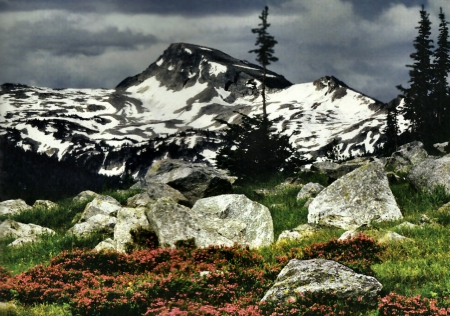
(176, 7)
(60, 37)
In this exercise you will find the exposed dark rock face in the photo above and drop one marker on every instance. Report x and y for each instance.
(189, 63)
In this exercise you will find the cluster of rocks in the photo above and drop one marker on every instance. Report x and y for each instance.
(360, 195)
(179, 201)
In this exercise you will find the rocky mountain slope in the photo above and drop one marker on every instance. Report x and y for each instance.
(169, 110)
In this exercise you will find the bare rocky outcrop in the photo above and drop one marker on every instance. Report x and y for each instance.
(13, 207)
(406, 157)
(431, 173)
(322, 276)
(194, 181)
(357, 198)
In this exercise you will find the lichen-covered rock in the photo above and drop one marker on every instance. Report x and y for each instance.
(102, 204)
(441, 147)
(13, 207)
(444, 209)
(406, 157)
(407, 225)
(171, 222)
(85, 195)
(13, 229)
(45, 204)
(431, 173)
(335, 170)
(322, 276)
(194, 181)
(355, 199)
(128, 219)
(310, 190)
(151, 192)
(23, 240)
(106, 245)
(237, 218)
(300, 232)
(99, 222)
(381, 236)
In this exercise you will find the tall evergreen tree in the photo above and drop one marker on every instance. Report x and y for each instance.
(417, 95)
(266, 43)
(249, 151)
(391, 130)
(440, 92)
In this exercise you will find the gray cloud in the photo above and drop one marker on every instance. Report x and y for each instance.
(60, 37)
(177, 7)
(87, 43)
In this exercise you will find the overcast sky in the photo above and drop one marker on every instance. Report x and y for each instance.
(98, 43)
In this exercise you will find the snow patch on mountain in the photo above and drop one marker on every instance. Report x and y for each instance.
(172, 108)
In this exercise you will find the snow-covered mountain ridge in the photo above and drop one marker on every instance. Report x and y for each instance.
(170, 110)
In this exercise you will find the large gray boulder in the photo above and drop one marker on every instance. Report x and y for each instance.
(357, 198)
(102, 204)
(237, 218)
(99, 222)
(406, 157)
(128, 219)
(171, 222)
(430, 173)
(322, 276)
(194, 181)
(13, 207)
(13, 229)
(153, 191)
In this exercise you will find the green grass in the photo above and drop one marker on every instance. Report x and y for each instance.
(421, 266)
(60, 219)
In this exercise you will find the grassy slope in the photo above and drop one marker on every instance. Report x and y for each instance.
(421, 266)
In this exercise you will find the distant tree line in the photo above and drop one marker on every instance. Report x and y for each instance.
(427, 99)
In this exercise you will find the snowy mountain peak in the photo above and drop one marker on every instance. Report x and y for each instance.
(170, 110)
(183, 65)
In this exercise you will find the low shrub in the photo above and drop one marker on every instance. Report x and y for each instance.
(358, 253)
(394, 304)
